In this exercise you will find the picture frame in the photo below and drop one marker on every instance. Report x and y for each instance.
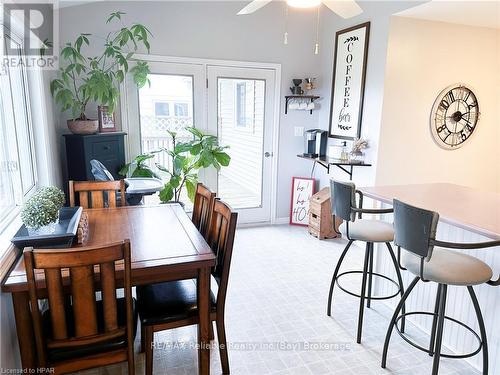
(348, 82)
(303, 188)
(107, 121)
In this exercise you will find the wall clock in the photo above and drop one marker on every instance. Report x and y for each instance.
(454, 116)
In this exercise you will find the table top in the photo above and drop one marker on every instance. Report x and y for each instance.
(161, 237)
(325, 160)
(461, 206)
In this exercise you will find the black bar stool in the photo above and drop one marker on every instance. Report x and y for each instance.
(415, 232)
(344, 205)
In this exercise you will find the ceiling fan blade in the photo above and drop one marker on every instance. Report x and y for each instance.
(344, 8)
(253, 6)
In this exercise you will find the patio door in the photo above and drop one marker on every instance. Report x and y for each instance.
(237, 104)
(241, 113)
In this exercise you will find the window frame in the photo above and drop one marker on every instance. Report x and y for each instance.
(12, 217)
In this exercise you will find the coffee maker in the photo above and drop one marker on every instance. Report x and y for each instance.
(315, 141)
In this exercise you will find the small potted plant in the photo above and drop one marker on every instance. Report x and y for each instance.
(41, 212)
(85, 79)
(358, 146)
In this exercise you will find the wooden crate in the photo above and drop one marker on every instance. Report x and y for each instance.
(321, 220)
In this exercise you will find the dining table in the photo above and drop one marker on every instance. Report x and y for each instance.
(165, 246)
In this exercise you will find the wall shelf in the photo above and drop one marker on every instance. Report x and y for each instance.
(312, 98)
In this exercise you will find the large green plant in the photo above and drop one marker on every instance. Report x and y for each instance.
(84, 79)
(203, 151)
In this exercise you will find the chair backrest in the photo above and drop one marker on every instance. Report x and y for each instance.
(343, 198)
(93, 194)
(202, 209)
(100, 172)
(69, 276)
(414, 228)
(221, 240)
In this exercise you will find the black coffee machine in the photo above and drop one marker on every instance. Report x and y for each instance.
(315, 141)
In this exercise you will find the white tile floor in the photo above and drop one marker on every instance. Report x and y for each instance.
(277, 293)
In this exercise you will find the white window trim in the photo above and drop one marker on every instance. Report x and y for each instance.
(45, 152)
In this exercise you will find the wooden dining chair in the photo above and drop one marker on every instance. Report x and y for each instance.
(83, 333)
(96, 194)
(174, 304)
(202, 209)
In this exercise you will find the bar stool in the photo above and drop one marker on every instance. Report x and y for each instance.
(344, 205)
(415, 232)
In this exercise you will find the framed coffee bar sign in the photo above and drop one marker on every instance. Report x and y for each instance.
(349, 71)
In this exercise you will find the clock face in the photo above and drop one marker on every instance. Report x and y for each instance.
(454, 116)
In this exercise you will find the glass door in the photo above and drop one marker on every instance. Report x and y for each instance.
(240, 112)
(172, 101)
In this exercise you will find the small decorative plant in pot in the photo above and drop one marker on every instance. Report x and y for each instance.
(187, 159)
(97, 79)
(40, 212)
(358, 146)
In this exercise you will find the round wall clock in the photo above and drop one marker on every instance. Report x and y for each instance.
(454, 116)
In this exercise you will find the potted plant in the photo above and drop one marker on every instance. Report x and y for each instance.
(358, 146)
(84, 79)
(41, 212)
(203, 151)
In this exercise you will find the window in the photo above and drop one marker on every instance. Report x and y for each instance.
(241, 104)
(181, 109)
(17, 163)
(162, 109)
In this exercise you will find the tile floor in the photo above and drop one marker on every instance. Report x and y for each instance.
(277, 294)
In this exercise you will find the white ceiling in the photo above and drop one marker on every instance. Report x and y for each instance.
(473, 13)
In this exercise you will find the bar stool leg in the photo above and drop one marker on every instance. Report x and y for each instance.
(370, 274)
(439, 333)
(400, 281)
(482, 329)
(434, 322)
(393, 319)
(362, 294)
(334, 278)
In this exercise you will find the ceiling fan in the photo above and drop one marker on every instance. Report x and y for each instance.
(344, 8)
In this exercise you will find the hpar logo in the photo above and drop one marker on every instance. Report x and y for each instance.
(29, 34)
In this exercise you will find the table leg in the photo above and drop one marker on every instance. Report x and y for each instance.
(204, 321)
(24, 328)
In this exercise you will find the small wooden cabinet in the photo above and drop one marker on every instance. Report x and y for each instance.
(108, 148)
(322, 224)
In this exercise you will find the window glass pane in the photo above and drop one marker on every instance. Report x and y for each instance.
(161, 109)
(181, 109)
(241, 102)
(165, 89)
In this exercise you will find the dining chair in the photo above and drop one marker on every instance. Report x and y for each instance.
(430, 261)
(202, 208)
(96, 194)
(357, 228)
(77, 331)
(173, 304)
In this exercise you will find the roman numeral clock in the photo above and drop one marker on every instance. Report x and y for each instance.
(454, 116)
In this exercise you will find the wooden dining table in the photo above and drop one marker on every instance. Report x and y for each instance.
(165, 246)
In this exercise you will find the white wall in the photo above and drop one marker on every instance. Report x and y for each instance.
(424, 57)
(378, 13)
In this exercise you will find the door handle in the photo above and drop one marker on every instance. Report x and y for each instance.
(268, 154)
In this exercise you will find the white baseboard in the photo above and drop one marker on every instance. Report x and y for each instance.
(281, 220)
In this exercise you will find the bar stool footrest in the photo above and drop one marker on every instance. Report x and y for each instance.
(426, 350)
(373, 274)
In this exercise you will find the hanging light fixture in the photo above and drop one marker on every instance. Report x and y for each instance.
(285, 37)
(316, 45)
(303, 3)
